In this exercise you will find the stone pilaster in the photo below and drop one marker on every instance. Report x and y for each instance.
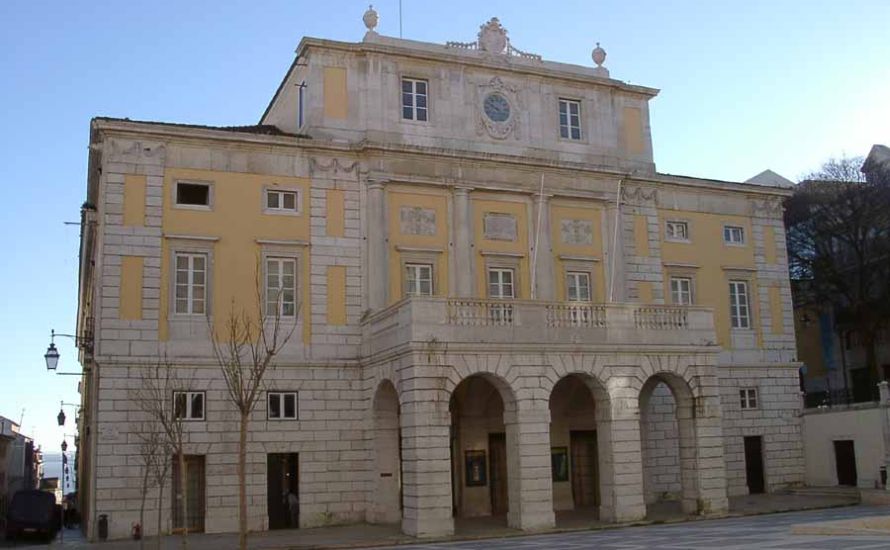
(530, 489)
(622, 465)
(614, 254)
(426, 466)
(377, 256)
(544, 254)
(463, 240)
(709, 471)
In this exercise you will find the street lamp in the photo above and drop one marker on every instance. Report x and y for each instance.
(61, 416)
(52, 353)
(51, 356)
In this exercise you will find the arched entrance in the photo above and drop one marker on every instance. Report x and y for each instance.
(386, 504)
(479, 459)
(667, 438)
(579, 442)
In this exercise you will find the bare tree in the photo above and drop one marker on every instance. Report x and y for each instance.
(245, 350)
(839, 249)
(155, 455)
(154, 397)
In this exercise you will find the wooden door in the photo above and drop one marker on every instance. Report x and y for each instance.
(845, 462)
(584, 468)
(754, 464)
(195, 484)
(497, 451)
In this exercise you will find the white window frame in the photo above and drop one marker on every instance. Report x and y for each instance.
(281, 192)
(670, 232)
(281, 396)
(730, 232)
(280, 261)
(565, 130)
(189, 397)
(413, 94)
(739, 305)
(204, 207)
(748, 398)
(575, 277)
(190, 283)
(500, 284)
(415, 269)
(678, 292)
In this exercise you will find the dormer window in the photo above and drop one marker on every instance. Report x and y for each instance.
(414, 99)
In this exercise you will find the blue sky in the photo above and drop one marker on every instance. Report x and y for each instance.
(745, 86)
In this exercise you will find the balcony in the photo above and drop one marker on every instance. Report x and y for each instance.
(492, 322)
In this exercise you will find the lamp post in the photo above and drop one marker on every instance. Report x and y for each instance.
(62, 506)
(52, 352)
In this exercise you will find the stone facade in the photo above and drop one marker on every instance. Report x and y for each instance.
(548, 334)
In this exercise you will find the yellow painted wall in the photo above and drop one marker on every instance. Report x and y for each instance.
(398, 196)
(237, 219)
(335, 97)
(336, 278)
(131, 288)
(134, 200)
(769, 244)
(335, 222)
(706, 250)
(809, 341)
(631, 132)
(577, 210)
(645, 290)
(641, 235)
(487, 202)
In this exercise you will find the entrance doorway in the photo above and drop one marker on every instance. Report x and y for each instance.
(283, 490)
(194, 481)
(386, 499)
(585, 475)
(754, 464)
(497, 448)
(845, 462)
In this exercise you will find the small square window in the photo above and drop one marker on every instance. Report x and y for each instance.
(188, 405)
(748, 398)
(282, 406)
(570, 119)
(192, 194)
(578, 286)
(676, 230)
(414, 99)
(681, 291)
(418, 280)
(282, 201)
(733, 234)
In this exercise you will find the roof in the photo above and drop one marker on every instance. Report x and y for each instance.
(878, 159)
(770, 179)
(255, 129)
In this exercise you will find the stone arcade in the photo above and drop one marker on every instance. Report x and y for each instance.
(500, 306)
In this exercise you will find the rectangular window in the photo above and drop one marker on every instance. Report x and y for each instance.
(676, 230)
(739, 310)
(282, 201)
(577, 286)
(733, 234)
(281, 287)
(282, 406)
(188, 405)
(569, 119)
(414, 99)
(748, 398)
(192, 194)
(191, 284)
(681, 291)
(500, 283)
(418, 280)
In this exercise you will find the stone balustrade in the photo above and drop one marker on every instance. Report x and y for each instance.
(437, 321)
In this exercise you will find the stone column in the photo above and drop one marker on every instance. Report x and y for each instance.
(377, 254)
(544, 255)
(529, 481)
(621, 457)
(709, 470)
(614, 253)
(463, 240)
(426, 465)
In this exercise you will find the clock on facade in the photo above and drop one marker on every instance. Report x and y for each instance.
(496, 107)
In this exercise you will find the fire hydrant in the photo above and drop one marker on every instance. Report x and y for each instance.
(136, 531)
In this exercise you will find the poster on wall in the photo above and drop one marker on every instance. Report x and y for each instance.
(559, 463)
(476, 468)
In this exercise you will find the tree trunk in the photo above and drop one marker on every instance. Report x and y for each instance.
(142, 504)
(160, 504)
(242, 482)
(871, 360)
(183, 494)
